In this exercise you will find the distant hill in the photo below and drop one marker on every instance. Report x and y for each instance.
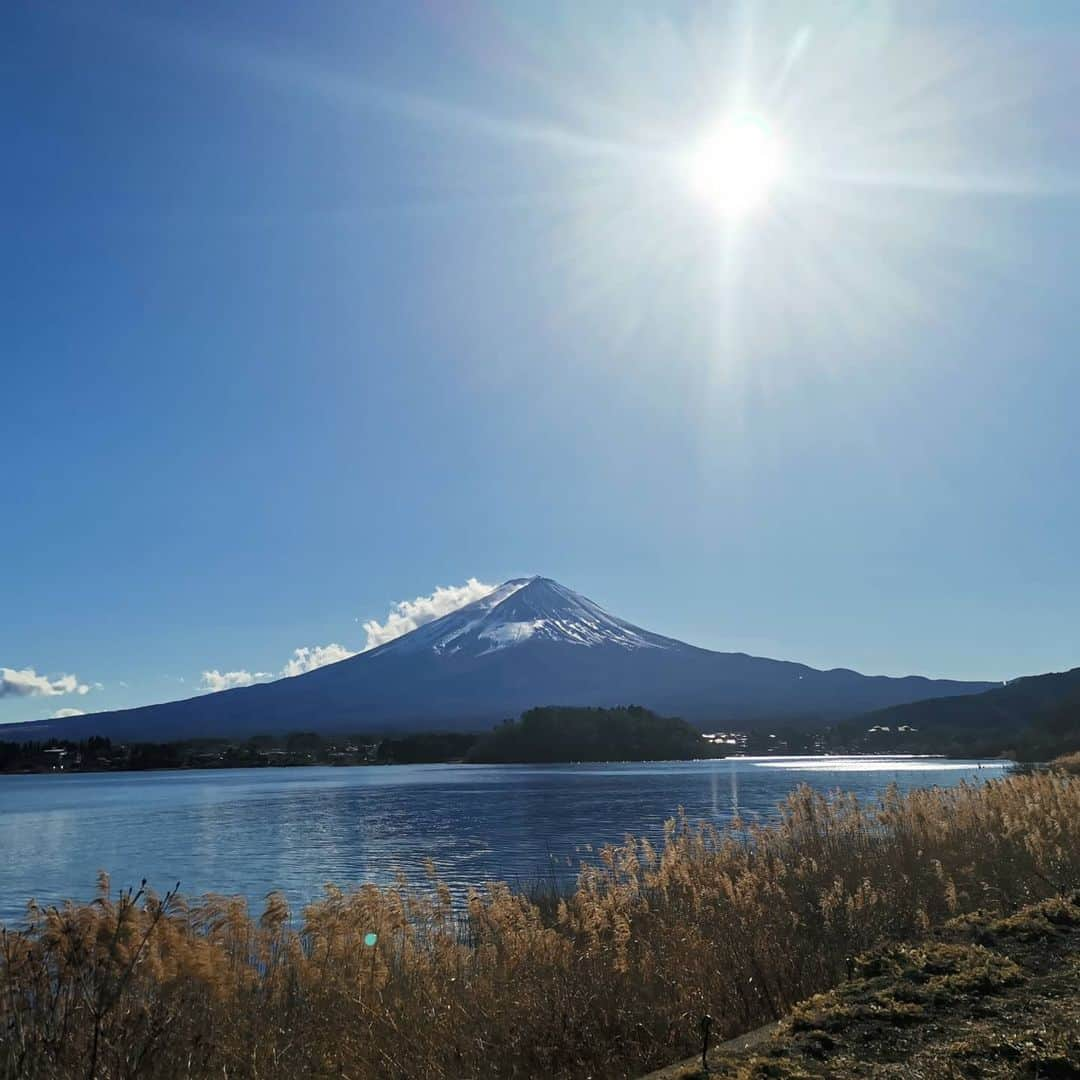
(1036, 717)
(529, 642)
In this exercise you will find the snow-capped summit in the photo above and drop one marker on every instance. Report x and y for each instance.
(532, 609)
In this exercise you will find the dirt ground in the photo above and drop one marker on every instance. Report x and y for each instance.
(987, 997)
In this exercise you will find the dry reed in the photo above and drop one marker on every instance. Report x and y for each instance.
(740, 923)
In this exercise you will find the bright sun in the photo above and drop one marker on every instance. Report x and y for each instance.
(735, 166)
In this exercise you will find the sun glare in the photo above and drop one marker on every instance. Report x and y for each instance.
(735, 166)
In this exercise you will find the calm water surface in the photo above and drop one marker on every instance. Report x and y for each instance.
(251, 830)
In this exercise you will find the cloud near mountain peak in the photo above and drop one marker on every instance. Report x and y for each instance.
(407, 615)
(404, 617)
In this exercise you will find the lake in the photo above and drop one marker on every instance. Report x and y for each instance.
(249, 831)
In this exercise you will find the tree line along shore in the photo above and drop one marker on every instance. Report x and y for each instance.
(548, 734)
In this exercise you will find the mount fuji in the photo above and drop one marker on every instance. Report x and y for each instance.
(531, 641)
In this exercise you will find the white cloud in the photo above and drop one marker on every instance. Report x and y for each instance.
(63, 714)
(308, 658)
(28, 683)
(215, 680)
(404, 616)
(407, 615)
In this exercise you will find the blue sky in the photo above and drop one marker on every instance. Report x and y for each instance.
(308, 309)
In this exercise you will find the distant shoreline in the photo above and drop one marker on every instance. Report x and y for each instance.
(977, 761)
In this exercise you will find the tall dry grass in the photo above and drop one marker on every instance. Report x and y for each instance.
(740, 923)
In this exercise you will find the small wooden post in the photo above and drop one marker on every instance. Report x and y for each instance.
(706, 1024)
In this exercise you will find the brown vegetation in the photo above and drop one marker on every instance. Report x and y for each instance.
(741, 923)
(1069, 763)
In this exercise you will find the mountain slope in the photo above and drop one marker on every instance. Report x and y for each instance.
(1037, 716)
(530, 642)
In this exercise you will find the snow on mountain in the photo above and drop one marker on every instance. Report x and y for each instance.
(525, 609)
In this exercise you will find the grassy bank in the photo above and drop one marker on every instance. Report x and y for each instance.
(993, 997)
(1069, 763)
(741, 924)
